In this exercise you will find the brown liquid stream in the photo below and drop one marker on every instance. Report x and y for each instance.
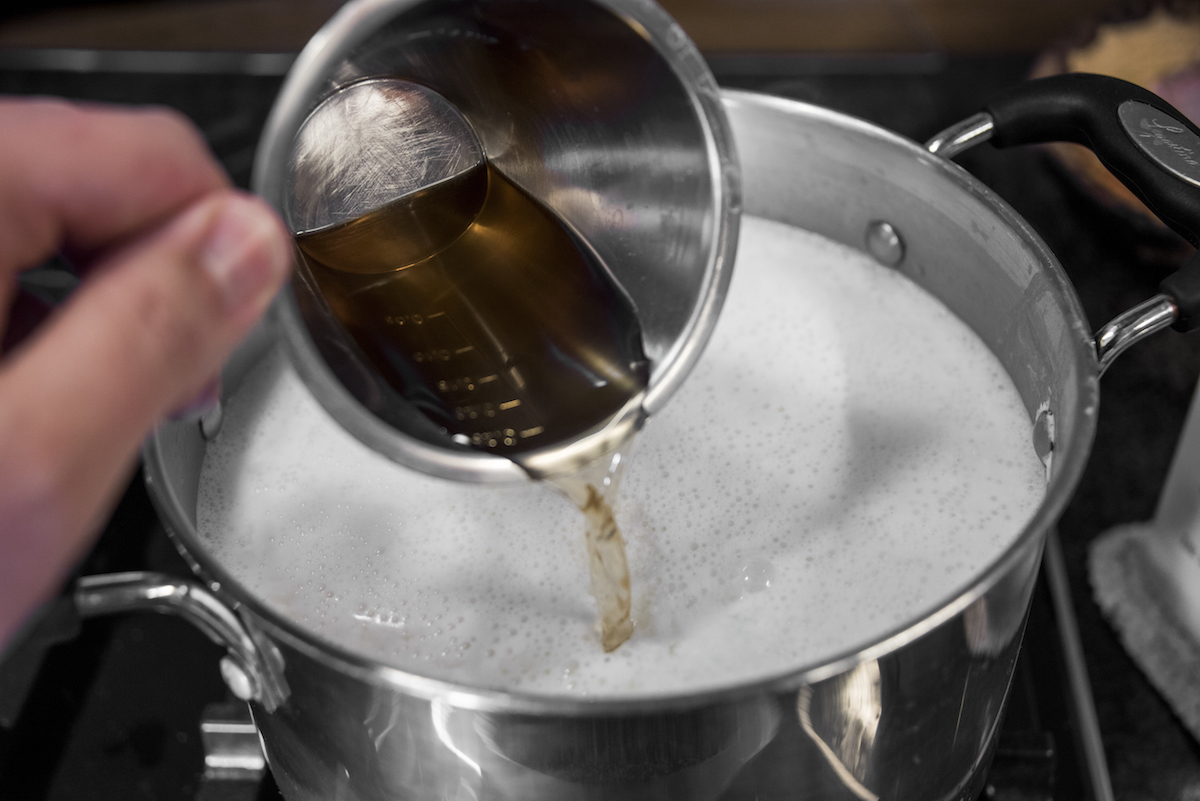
(511, 335)
(590, 488)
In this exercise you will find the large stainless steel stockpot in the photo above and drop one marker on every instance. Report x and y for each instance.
(911, 715)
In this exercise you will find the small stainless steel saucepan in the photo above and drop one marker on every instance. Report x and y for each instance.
(603, 112)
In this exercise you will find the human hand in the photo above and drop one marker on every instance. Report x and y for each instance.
(178, 267)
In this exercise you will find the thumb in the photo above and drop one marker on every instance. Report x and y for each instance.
(156, 319)
(151, 325)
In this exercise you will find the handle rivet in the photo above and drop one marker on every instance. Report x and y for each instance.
(884, 243)
(211, 422)
(236, 679)
(1043, 436)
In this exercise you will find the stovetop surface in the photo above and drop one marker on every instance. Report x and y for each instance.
(114, 713)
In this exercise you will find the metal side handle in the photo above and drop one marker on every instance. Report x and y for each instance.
(253, 667)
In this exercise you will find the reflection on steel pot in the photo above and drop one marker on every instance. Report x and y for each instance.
(913, 715)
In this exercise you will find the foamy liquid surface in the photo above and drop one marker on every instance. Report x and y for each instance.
(825, 476)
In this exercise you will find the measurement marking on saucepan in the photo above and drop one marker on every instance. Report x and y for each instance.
(467, 349)
(532, 432)
(487, 379)
(512, 404)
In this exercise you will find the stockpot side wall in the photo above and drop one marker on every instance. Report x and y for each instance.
(836, 175)
(174, 457)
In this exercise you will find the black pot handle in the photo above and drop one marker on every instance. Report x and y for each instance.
(1146, 143)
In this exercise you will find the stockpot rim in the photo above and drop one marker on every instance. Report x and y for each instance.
(1068, 463)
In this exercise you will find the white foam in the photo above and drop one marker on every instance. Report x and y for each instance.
(845, 456)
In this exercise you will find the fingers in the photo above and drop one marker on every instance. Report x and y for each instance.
(150, 327)
(24, 315)
(88, 177)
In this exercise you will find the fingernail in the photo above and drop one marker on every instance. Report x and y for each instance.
(246, 252)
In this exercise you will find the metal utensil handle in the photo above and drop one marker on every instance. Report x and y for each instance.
(1144, 142)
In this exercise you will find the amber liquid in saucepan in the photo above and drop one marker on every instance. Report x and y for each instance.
(511, 335)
